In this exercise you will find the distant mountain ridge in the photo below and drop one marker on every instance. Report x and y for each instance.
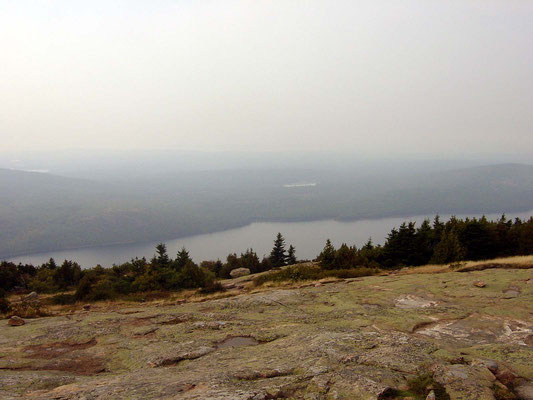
(45, 212)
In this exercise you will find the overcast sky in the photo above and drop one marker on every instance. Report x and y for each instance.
(372, 76)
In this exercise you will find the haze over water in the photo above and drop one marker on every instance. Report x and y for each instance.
(307, 237)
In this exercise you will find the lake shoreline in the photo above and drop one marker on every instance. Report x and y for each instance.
(240, 237)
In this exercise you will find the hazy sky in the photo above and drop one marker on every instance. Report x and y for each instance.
(374, 76)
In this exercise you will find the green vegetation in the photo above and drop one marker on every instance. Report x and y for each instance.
(437, 242)
(4, 303)
(305, 272)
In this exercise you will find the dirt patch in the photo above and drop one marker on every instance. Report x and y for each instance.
(481, 267)
(237, 341)
(148, 332)
(85, 365)
(80, 365)
(174, 359)
(137, 322)
(255, 375)
(128, 312)
(174, 321)
(56, 349)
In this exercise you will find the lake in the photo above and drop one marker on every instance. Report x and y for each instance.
(307, 237)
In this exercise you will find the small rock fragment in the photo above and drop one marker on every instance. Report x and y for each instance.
(480, 284)
(431, 395)
(15, 321)
(87, 307)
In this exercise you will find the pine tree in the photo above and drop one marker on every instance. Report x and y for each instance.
(291, 256)
(52, 263)
(162, 257)
(182, 259)
(277, 256)
(368, 245)
(449, 249)
(345, 257)
(251, 261)
(327, 257)
(423, 244)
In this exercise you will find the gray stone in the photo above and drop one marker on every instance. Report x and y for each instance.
(31, 296)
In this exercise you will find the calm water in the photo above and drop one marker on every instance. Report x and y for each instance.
(307, 237)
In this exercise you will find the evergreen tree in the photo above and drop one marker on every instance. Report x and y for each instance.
(345, 257)
(477, 239)
(438, 229)
(182, 259)
(327, 257)
(51, 263)
(449, 249)
(291, 256)
(368, 245)
(278, 257)
(162, 257)
(423, 244)
(251, 261)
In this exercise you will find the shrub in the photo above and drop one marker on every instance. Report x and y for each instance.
(102, 290)
(213, 287)
(63, 299)
(28, 310)
(304, 272)
(5, 306)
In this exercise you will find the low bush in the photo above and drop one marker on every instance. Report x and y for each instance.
(63, 299)
(5, 306)
(28, 310)
(212, 287)
(312, 272)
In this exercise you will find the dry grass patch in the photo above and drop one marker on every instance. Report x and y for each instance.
(521, 262)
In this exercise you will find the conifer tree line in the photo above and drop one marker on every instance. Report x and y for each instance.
(161, 273)
(436, 242)
(431, 242)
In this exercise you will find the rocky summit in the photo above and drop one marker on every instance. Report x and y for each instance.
(412, 336)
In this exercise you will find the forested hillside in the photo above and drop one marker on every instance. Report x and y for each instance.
(43, 212)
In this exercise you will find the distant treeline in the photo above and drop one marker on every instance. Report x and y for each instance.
(436, 242)
(432, 242)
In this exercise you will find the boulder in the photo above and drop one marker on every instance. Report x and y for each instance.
(431, 395)
(15, 321)
(238, 272)
(86, 307)
(30, 297)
